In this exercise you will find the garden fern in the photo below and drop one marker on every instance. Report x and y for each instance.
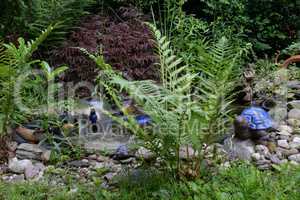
(15, 60)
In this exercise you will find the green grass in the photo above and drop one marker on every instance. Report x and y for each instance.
(240, 182)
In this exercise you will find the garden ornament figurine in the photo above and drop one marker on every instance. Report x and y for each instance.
(93, 116)
(253, 123)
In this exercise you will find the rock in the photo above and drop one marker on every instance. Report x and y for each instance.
(287, 152)
(295, 143)
(32, 152)
(283, 144)
(30, 147)
(285, 130)
(14, 178)
(293, 122)
(92, 157)
(294, 114)
(28, 155)
(295, 158)
(296, 139)
(256, 156)
(242, 149)
(264, 167)
(46, 155)
(12, 146)
(293, 84)
(187, 153)
(121, 153)
(278, 114)
(263, 162)
(19, 166)
(263, 150)
(144, 154)
(127, 161)
(279, 154)
(78, 164)
(275, 159)
(27, 134)
(294, 104)
(4, 169)
(109, 177)
(283, 137)
(34, 171)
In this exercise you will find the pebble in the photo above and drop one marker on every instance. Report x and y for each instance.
(263, 162)
(283, 144)
(275, 159)
(295, 158)
(264, 167)
(78, 163)
(144, 154)
(294, 114)
(256, 156)
(263, 150)
(287, 131)
(46, 155)
(127, 161)
(14, 178)
(295, 143)
(294, 122)
(287, 152)
(109, 177)
(295, 104)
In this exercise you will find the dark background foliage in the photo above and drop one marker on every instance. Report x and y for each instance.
(269, 24)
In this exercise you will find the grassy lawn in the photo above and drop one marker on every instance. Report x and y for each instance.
(241, 181)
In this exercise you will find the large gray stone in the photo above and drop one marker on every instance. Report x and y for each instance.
(294, 114)
(242, 149)
(19, 166)
(31, 151)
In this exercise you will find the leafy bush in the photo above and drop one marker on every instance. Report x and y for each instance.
(15, 61)
(124, 41)
(269, 25)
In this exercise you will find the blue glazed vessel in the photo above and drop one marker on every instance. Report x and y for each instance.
(257, 118)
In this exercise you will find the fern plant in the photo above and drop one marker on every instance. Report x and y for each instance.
(15, 61)
(187, 106)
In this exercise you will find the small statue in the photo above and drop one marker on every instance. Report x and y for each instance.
(93, 116)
